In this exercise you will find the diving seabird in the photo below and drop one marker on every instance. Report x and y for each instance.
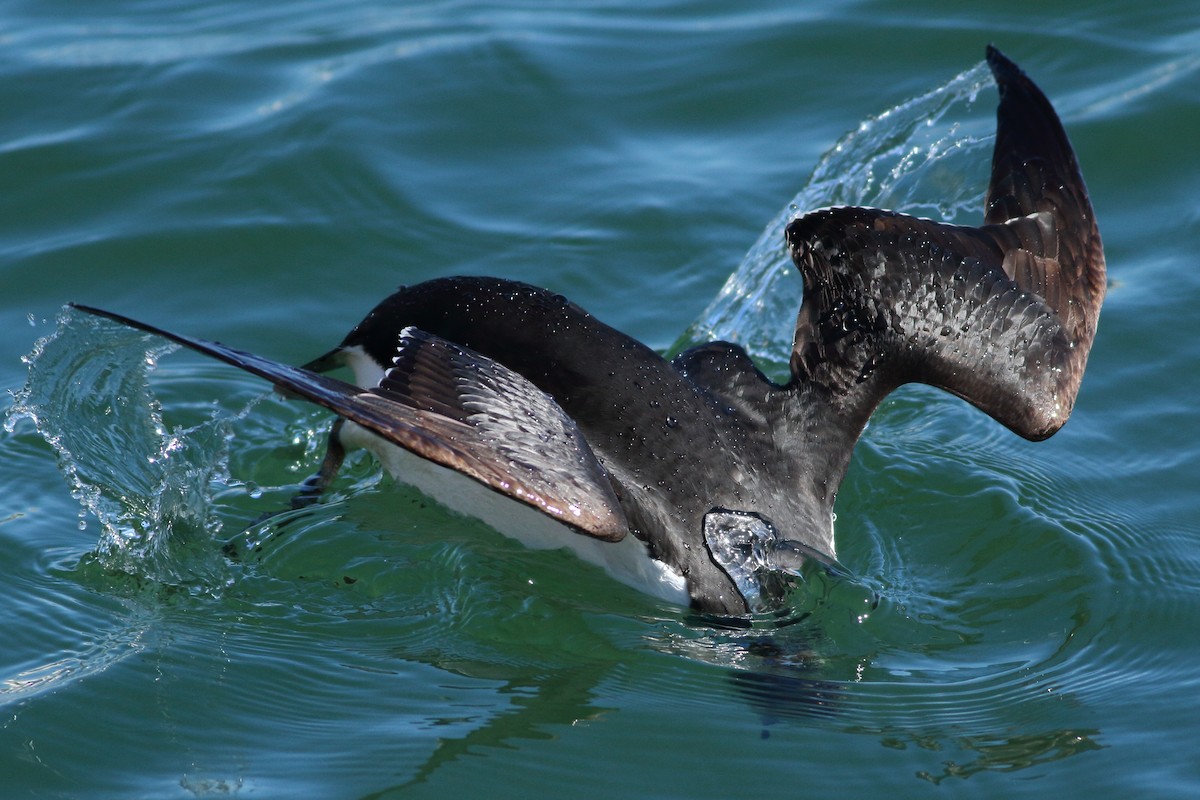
(697, 478)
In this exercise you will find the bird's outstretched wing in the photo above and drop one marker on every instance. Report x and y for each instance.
(1002, 315)
(463, 411)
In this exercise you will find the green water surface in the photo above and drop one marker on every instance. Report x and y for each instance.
(1021, 619)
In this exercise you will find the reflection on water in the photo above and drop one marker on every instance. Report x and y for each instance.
(540, 704)
(96, 653)
(1004, 754)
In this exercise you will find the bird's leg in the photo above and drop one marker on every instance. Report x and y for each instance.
(315, 486)
(309, 494)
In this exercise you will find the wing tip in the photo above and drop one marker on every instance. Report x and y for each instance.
(1003, 68)
(130, 322)
(100, 312)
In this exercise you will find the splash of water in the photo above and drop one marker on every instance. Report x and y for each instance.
(927, 156)
(149, 487)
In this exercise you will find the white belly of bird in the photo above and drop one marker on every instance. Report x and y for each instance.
(627, 560)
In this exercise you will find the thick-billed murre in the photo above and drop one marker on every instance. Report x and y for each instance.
(698, 478)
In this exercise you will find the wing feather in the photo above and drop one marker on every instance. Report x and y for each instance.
(462, 411)
(1002, 315)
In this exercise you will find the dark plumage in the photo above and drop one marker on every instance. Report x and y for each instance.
(724, 476)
